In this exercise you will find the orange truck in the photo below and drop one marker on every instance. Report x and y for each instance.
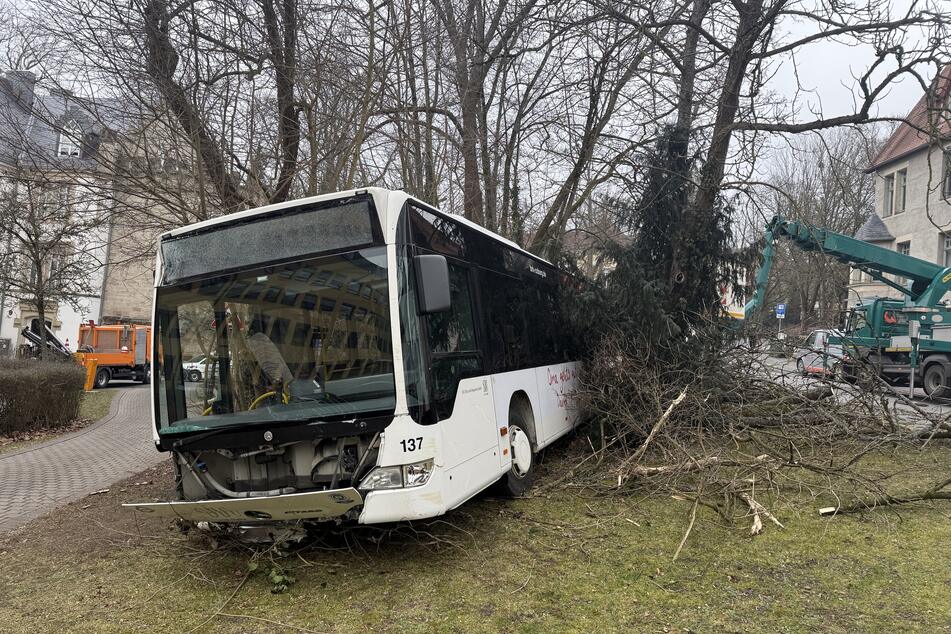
(119, 351)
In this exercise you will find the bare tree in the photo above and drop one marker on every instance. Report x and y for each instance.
(821, 180)
(53, 244)
(512, 112)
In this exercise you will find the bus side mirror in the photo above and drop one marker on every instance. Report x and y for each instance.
(432, 276)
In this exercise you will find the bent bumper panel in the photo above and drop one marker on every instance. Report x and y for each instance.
(291, 506)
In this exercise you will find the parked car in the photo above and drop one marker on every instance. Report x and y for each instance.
(817, 355)
(196, 367)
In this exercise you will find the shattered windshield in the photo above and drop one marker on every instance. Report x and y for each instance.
(301, 341)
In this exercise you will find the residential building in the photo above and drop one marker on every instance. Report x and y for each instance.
(61, 143)
(912, 189)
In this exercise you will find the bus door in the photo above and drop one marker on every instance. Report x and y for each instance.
(461, 395)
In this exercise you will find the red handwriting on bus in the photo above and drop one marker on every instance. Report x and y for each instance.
(566, 374)
(560, 378)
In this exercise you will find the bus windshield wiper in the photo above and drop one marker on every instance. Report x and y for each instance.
(187, 442)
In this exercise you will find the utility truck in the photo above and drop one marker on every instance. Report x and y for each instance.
(905, 340)
(375, 360)
(120, 351)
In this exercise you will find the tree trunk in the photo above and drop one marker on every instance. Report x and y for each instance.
(161, 62)
(41, 315)
(471, 184)
(700, 217)
(282, 40)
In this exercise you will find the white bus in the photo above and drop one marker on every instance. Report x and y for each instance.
(365, 357)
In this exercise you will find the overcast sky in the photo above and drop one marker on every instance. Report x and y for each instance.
(827, 68)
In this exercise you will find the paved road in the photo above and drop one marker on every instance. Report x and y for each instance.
(36, 480)
(784, 371)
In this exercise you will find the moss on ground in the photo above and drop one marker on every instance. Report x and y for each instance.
(559, 561)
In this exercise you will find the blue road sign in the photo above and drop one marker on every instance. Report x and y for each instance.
(780, 311)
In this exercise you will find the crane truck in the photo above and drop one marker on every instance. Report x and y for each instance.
(905, 340)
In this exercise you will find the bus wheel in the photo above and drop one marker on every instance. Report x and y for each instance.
(147, 376)
(102, 378)
(519, 478)
(936, 381)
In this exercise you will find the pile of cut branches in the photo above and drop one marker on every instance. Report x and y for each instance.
(728, 428)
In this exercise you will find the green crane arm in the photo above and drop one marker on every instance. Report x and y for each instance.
(929, 281)
(762, 276)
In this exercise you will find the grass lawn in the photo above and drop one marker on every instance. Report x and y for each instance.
(94, 405)
(558, 561)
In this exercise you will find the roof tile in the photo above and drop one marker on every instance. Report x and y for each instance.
(874, 230)
(926, 121)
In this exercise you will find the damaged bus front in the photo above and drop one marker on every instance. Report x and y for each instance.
(289, 311)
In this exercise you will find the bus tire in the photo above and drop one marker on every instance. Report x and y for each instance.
(102, 378)
(520, 476)
(146, 376)
(935, 380)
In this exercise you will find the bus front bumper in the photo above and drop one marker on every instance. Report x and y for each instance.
(315, 505)
(392, 505)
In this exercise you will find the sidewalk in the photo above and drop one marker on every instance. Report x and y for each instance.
(36, 480)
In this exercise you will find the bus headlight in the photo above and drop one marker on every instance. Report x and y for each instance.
(417, 474)
(410, 475)
(383, 478)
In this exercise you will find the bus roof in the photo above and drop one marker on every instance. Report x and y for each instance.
(258, 211)
(376, 192)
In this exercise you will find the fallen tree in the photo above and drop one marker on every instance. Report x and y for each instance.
(725, 428)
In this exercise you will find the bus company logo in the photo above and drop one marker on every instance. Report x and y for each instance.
(537, 271)
(258, 515)
(341, 498)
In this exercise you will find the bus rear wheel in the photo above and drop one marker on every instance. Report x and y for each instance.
(520, 476)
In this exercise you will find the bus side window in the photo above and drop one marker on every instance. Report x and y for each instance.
(452, 343)
(505, 310)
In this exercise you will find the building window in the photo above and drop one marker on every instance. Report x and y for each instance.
(946, 186)
(58, 262)
(858, 276)
(34, 277)
(946, 251)
(69, 140)
(904, 248)
(888, 201)
(901, 186)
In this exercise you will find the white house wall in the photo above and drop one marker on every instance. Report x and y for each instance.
(924, 209)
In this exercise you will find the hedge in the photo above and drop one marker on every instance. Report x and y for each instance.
(38, 394)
